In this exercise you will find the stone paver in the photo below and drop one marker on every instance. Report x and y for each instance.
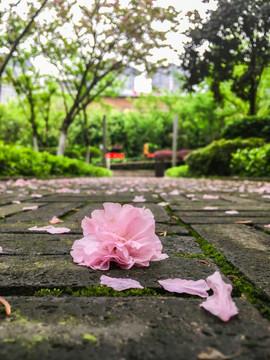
(154, 324)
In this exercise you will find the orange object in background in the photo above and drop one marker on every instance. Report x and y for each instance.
(114, 155)
(146, 149)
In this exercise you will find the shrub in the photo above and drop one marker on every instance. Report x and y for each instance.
(22, 161)
(248, 127)
(252, 162)
(178, 171)
(215, 158)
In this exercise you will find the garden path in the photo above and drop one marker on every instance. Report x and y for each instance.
(58, 309)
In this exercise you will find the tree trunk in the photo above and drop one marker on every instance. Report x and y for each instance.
(62, 142)
(252, 99)
(35, 143)
(87, 154)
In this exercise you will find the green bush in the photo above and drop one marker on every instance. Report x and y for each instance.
(178, 171)
(248, 127)
(22, 161)
(215, 158)
(252, 162)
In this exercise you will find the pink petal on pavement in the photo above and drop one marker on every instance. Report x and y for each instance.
(55, 220)
(180, 286)
(210, 197)
(139, 198)
(220, 303)
(232, 212)
(267, 226)
(120, 284)
(50, 229)
(210, 208)
(6, 305)
(1, 250)
(34, 207)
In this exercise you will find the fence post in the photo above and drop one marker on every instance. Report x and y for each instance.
(174, 141)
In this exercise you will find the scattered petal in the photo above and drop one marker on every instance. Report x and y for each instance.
(120, 284)
(37, 196)
(55, 220)
(174, 192)
(1, 250)
(210, 197)
(6, 305)
(243, 222)
(231, 212)
(212, 354)
(210, 208)
(34, 207)
(191, 287)
(267, 226)
(51, 229)
(16, 202)
(163, 203)
(220, 303)
(139, 198)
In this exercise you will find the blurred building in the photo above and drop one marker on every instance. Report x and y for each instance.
(166, 79)
(7, 93)
(133, 83)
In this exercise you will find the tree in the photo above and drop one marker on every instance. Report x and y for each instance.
(102, 40)
(35, 94)
(25, 79)
(15, 28)
(232, 44)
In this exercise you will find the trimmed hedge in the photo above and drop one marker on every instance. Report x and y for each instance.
(252, 162)
(215, 158)
(22, 161)
(248, 127)
(178, 171)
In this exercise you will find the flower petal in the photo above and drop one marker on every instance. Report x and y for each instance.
(180, 286)
(50, 229)
(220, 303)
(120, 284)
(6, 305)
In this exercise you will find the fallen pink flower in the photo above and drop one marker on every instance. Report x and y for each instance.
(26, 208)
(6, 305)
(120, 284)
(180, 286)
(139, 198)
(55, 220)
(17, 202)
(50, 229)
(220, 303)
(124, 235)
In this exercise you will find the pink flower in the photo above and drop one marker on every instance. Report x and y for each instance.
(120, 284)
(220, 303)
(180, 286)
(124, 235)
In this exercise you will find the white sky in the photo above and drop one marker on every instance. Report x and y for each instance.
(176, 40)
